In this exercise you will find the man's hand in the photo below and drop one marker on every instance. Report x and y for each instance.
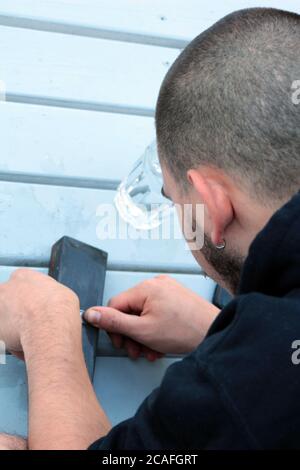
(159, 314)
(32, 300)
(8, 442)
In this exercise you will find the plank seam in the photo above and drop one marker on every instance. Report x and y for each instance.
(64, 181)
(110, 352)
(39, 100)
(12, 261)
(91, 32)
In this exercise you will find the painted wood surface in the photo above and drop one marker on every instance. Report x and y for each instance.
(73, 69)
(120, 383)
(35, 216)
(70, 146)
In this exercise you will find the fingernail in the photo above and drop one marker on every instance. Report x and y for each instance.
(92, 316)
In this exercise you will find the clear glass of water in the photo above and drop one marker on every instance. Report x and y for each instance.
(139, 198)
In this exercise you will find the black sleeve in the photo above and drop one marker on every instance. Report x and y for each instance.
(185, 412)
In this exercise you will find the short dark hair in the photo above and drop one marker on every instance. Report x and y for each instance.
(227, 101)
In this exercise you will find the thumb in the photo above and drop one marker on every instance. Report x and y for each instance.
(113, 321)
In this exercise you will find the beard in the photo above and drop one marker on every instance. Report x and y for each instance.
(228, 264)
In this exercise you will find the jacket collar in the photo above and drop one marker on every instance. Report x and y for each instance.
(273, 263)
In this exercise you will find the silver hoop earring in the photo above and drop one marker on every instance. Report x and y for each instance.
(222, 246)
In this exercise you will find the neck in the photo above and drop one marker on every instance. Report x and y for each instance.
(250, 217)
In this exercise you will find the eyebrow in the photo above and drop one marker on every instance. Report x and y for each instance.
(164, 194)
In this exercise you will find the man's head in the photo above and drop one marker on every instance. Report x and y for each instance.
(228, 130)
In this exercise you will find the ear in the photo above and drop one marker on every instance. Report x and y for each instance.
(214, 195)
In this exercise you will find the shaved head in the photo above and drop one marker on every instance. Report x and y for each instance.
(227, 102)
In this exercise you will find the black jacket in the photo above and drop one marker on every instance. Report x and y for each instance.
(240, 388)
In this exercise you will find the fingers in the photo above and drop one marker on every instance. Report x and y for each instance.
(117, 340)
(114, 321)
(132, 300)
(134, 349)
(151, 355)
(120, 325)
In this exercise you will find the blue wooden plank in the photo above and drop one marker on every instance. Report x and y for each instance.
(77, 69)
(119, 281)
(33, 217)
(13, 397)
(120, 383)
(87, 145)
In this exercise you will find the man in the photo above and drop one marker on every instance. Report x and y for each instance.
(228, 130)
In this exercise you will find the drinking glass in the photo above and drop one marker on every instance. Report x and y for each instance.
(139, 197)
